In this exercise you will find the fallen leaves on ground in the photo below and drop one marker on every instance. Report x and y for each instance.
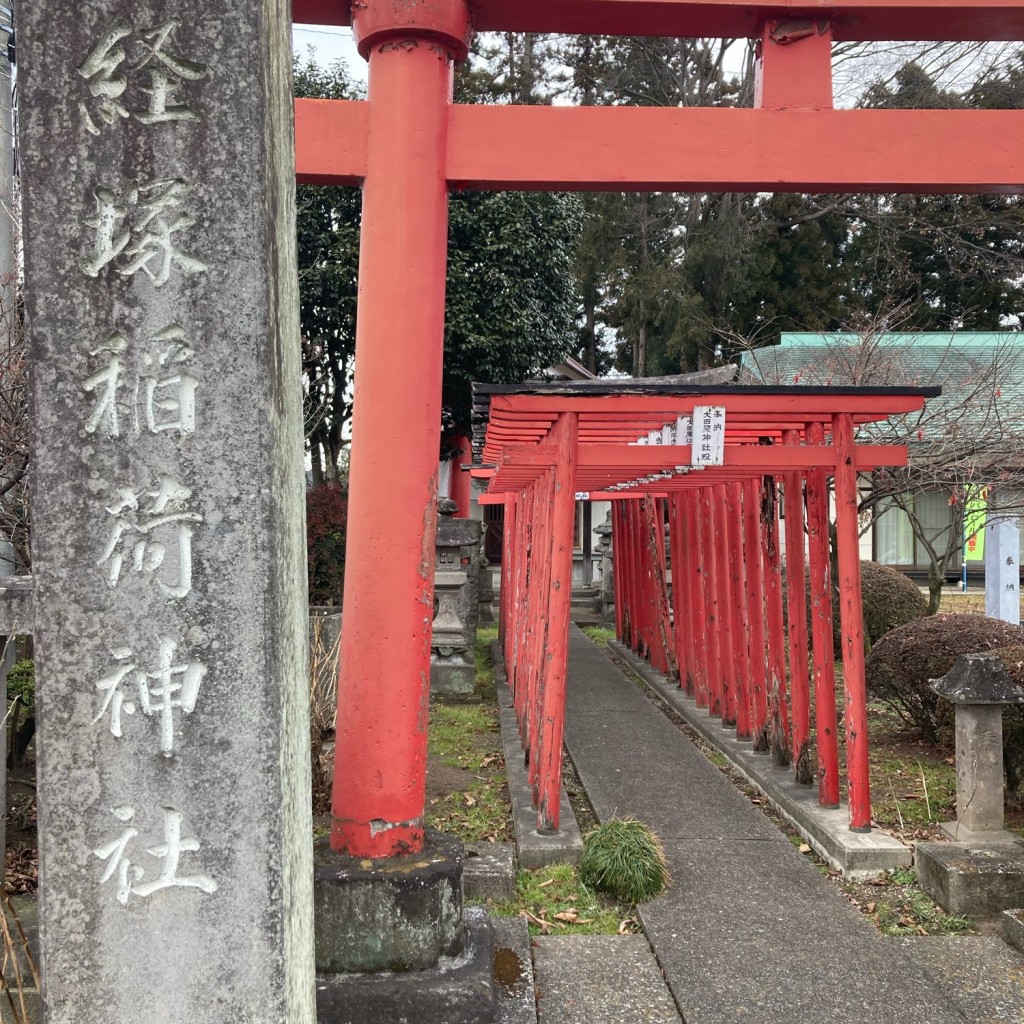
(22, 876)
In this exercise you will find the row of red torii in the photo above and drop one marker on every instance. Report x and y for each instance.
(709, 462)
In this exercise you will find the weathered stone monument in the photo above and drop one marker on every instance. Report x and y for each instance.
(174, 811)
(487, 594)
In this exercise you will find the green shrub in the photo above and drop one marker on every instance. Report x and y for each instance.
(21, 682)
(326, 522)
(21, 724)
(624, 858)
(901, 664)
(889, 599)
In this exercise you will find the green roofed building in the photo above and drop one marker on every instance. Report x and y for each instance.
(966, 445)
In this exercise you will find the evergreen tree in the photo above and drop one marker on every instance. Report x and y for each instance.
(511, 298)
(328, 258)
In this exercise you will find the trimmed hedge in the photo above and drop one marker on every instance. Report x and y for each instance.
(903, 661)
(889, 600)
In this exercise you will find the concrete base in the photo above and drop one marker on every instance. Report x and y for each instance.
(958, 834)
(489, 872)
(859, 856)
(977, 881)
(535, 850)
(457, 990)
(395, 914)
(453, 676)
(1013, 928)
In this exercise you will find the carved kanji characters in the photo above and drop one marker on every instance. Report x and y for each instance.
(160, 202)
(166, 71)
(169, 687)
(109, 76)
(106, 84)
(147, 532)
(162, 393)
(130, 874)
(111, 239)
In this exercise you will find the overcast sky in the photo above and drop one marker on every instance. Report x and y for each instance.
(329, 44)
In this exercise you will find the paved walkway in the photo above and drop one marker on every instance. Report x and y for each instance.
(750, 931)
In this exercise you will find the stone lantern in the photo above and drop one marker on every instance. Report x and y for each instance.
(456, 604)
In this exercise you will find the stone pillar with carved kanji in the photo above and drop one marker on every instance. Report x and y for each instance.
(158, 172)
(1002, 567)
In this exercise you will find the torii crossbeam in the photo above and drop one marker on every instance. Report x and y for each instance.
(409, 145)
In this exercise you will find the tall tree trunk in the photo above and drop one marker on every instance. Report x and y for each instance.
(527, 69)
(316, 456)
(833, 554)
(590, 331)
(935, 582)
(641, 370)
(331, 473)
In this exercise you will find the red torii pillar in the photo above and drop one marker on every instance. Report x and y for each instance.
(380, 775)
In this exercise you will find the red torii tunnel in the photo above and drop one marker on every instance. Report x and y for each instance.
(735, 637)
(409, 145)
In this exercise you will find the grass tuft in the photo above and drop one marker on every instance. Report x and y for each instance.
(625, 858)
(601, 636)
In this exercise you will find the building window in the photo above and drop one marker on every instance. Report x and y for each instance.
(894, 538)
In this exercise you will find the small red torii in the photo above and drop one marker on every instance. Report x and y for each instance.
(409, 145)
(634, 444)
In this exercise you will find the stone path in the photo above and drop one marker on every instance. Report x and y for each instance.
(750, 930)
(599, 979)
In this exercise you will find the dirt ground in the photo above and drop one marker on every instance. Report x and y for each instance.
(443, 781)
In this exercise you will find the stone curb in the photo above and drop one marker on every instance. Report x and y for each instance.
(489, 871)
(535, 850)
(513, 971)
(859, 856)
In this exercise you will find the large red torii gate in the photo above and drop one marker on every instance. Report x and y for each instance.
(409, 145)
